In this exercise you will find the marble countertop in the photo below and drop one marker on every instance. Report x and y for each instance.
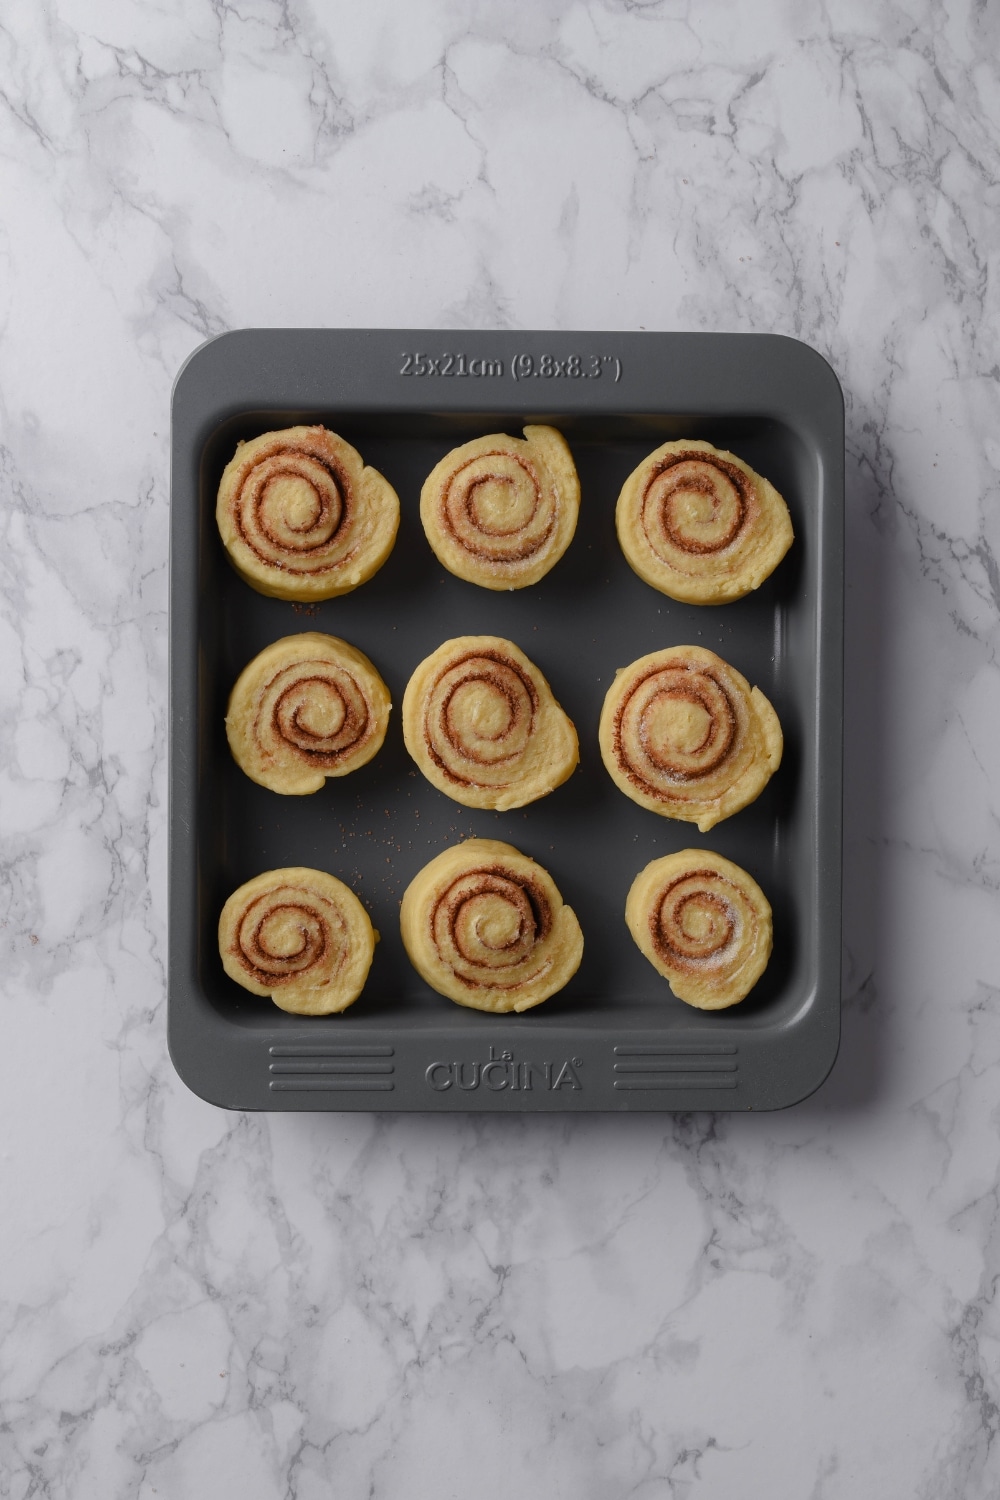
(664, 1307)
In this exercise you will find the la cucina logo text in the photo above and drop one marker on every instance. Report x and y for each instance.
(502, 1071)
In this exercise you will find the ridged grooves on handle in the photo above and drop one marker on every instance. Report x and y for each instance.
(327, 1066)
(682, 1066)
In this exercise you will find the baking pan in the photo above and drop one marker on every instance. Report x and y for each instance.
(615, 1039)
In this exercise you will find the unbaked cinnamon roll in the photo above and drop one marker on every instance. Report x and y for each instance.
(308, 707)
(501, 511)
(700, 525)
(302, 517)
(683, 734)
(704, 924)
(482, 724)
(300, 936)
(487, 927)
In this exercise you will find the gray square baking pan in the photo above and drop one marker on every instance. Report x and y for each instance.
(615, 1038)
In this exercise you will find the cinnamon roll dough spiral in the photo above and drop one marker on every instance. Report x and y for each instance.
(683, 734)
(301, 516)
(501, 511)
(486, 926)
(482, 724)
(308, 707)
(700, 525)
(704, 924)
(300, 936)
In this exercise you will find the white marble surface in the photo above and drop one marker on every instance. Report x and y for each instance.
(800, 1305)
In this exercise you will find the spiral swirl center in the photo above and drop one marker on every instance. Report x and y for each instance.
(286, 934)
(480, 717)
(695, 504)
(493, 926)
(697, 922)
(497, 508)
(487, 927)
(293, 508)
(294, 501)
(282, 935)
(316, 709)
(682, 721)
(480, 711)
